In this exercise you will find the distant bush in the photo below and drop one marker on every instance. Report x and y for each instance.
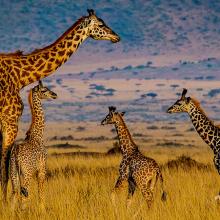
(168, 128)
(59, 81)
(185, 163)
(199, 78)
(99, 138)
(150, 94)
(153, 127)
(80, 128)
(174, 86)
(115, 149)
(149, 63)
(66, 145)
(187, 78)
(210, 77)
(169, 144)
(140, 67)
(127, 67)
(160, 84)
(178, 135)
(175, 68)
(213, 92)
(100, 90)
(138, 135)
(63, 138)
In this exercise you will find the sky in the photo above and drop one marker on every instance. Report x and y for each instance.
(163, 32)
(149, 27)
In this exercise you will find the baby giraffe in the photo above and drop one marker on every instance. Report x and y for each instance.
(29, 158)
(135, 168)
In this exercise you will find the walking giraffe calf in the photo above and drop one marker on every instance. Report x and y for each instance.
(135, 168)
(206, 129)
(29, 157)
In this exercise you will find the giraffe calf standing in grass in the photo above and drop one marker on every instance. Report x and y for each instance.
(135, 168)
(206, 129)
(29, 158)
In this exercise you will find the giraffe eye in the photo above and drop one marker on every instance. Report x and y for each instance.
(101, 25)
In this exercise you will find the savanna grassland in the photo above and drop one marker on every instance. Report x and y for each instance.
(81, 176)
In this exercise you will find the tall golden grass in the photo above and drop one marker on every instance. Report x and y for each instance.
(79, 188)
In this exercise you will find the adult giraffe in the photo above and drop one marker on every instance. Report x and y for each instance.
(18, 70)
(206, 129)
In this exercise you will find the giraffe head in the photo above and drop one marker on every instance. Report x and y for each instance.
(98, 30)
(112, 116)
(43, 92)
(181, 105)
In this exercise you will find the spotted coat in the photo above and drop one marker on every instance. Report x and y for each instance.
(18, 70)
(135, 168)
(29, 158)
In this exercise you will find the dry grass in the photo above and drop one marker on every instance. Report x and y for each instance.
(79, 188)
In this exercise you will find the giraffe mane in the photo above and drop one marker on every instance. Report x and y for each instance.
(16, 53)
(79, 21)
(129, 134)
(31, 108)
(197, 104)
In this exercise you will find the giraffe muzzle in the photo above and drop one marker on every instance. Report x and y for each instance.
(115, 39)
(54, 95)
(169, 110)
(103, 122)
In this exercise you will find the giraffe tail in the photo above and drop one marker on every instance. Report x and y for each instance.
(164, 194)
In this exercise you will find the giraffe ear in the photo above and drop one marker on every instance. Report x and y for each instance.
(91, 12)
(188, 99)
(183, 93)
(122, 113)
(40, 83)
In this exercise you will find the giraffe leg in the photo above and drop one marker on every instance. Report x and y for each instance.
(148, 195)
(24, 187)
(4, 172)
(41, 187)
(147, 189)
(147, 192)
(14, 181)
(120, 184)
(216, 161)
(131, 190)
(9, 135)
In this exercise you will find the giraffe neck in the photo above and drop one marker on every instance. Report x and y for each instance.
(36, 129)
(205, 128)
(126, 142)
(43, 62)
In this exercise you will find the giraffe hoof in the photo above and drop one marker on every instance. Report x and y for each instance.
(217, 198)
